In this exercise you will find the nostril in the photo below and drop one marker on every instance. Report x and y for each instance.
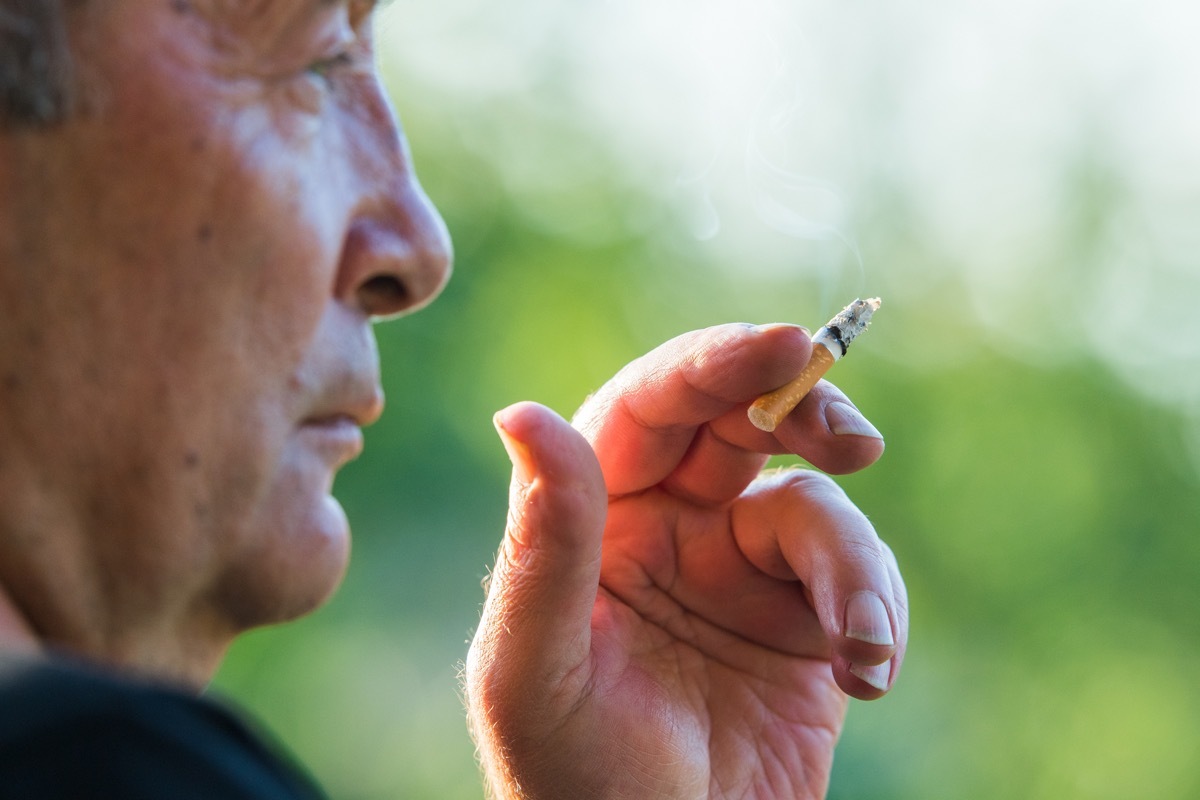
(382, 295)
(392, 267)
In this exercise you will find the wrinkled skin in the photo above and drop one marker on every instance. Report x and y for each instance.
(189, 268)
(663, 621)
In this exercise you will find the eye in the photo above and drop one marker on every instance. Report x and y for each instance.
(318, 82)
(327, 68)
(328, 50)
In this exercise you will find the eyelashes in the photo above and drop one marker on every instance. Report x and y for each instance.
(335, 54)
(328, 68)
(311, 89)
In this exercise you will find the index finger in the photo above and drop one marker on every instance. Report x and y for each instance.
(643, 422)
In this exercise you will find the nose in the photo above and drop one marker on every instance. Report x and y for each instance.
(398, 263)
(397, 254)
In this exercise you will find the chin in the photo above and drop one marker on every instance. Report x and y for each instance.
(296, 561)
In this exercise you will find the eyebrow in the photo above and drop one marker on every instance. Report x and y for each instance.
(364, 7)
(359, 8)
(368, 5)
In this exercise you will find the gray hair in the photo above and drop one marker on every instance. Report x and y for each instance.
(35, 63)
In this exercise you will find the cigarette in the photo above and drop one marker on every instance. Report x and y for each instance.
(829, 344)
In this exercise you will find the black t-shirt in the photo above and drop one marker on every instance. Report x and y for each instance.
(69, 732)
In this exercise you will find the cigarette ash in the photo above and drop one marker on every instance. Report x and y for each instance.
(847, 325)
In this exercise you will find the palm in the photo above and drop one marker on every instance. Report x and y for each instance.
(685, 626)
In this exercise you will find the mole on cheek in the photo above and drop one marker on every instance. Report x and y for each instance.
(191, 459)
(204, 232)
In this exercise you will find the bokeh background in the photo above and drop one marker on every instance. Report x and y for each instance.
(1020, 182)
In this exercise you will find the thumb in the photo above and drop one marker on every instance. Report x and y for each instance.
(536, 623)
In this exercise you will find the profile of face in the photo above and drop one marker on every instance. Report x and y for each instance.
(187, 287)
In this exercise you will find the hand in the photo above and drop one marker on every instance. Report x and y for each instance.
(665, 622)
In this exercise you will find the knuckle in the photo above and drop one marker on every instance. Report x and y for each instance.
(805, 484)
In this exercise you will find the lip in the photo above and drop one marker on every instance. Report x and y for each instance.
(337, 437)
(358, 402)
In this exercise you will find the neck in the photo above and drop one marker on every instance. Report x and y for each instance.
(16, 634)
(169, 643)
(186, 670)
(55, 597)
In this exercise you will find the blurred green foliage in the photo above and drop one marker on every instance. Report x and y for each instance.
(1044, 510)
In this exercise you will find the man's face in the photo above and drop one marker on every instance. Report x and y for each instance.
(187, 278)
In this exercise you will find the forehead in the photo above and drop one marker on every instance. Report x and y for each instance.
(253, 16)
(250, 26)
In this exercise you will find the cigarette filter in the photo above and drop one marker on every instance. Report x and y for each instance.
(829, 344)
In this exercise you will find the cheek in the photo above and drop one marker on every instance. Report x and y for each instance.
(261, 268)
(265, 221)
(229, 216)
(240, 268)
(216, 198)
(190, 276)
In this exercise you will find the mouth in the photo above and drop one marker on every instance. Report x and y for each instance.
(340, 401)
(337, 438)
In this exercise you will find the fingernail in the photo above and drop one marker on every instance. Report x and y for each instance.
(877, 675)
(770, 326)
(844, 420)
(518, 453)
(867, 619)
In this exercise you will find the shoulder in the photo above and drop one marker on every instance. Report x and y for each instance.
(72, 731)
